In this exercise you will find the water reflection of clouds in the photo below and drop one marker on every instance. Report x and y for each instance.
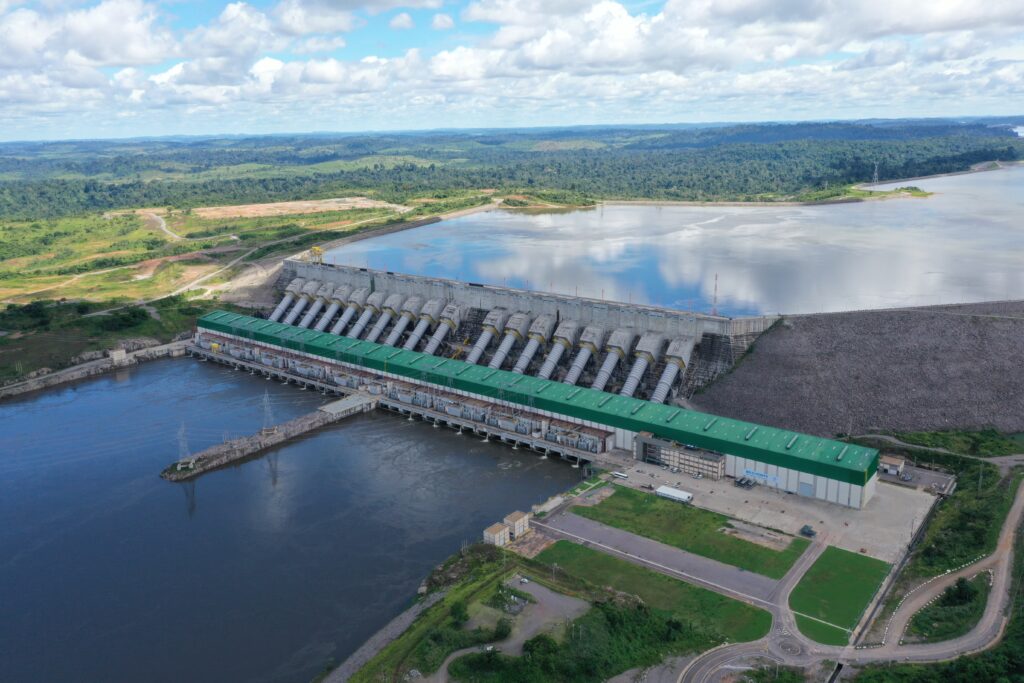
(790, 259)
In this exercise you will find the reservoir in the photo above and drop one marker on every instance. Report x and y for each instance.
(261, 572)
(963, 244)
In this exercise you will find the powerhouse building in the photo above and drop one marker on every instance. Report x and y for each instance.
(576, 422)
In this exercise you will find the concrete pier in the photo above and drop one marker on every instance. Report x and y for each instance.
(238, 449)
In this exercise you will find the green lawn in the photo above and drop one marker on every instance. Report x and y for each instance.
(836, 589)
(730, 618)
(822, 633)
(691, 529)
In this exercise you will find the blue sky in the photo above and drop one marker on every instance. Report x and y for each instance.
(112, 68)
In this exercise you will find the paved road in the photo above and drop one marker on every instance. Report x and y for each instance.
(720, 577)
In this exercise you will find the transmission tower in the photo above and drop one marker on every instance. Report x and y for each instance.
(268, 414)
(183, 452)
(714, 301)
(874, 178)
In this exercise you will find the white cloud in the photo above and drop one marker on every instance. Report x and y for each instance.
(116, 32)
(534, 62)
(442, 22)
(401, 21)
(319, 44)
(301, 17)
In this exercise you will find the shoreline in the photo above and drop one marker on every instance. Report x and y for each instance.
(980, 167)
(93, 368)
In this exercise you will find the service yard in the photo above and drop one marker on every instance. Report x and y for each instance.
(882, 529)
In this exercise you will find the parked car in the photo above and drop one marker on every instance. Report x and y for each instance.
(697, 475)
(808, 531)
(907, 476)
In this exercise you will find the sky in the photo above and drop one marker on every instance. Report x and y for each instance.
(122, 68)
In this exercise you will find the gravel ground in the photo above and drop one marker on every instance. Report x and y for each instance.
(942, 367)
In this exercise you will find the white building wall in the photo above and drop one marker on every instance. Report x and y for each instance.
(833, 491)
(869, 490)
(844, 494)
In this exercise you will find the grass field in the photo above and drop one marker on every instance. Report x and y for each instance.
(692, 529)
(836, 589)
(947, 617)
(731, 619)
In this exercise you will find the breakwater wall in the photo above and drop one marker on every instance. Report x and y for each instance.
(244, 447)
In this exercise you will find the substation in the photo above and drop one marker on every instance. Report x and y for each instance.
(572, 377)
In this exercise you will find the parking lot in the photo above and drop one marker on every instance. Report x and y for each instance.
(882, 529)
(921, 478)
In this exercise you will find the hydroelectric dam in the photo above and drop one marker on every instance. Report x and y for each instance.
(587, 380)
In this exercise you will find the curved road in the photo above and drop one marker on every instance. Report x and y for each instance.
(786, 643)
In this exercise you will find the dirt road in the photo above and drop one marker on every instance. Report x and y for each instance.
(157, 222)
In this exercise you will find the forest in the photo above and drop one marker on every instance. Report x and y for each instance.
(750, 162)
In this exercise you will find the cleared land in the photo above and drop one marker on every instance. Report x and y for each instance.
(288, 208)
(836, 589)
(692, 529)
(934, 368)
(729, 618)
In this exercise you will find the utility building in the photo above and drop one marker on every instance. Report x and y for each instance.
(519, 523)
(497, 534)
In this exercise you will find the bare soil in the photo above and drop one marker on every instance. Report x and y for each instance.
(288, 208)
(916, 369)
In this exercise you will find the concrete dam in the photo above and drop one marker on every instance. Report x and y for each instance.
(650, 352)
(586, 380)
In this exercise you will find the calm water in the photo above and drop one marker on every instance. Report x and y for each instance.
(261, 572)
(966, 243)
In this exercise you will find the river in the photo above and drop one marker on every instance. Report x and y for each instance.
(262, 572)
(963, 244)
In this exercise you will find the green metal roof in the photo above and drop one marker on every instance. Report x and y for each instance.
(814, 455)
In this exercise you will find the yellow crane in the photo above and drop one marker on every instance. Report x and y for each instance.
(316, 255)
